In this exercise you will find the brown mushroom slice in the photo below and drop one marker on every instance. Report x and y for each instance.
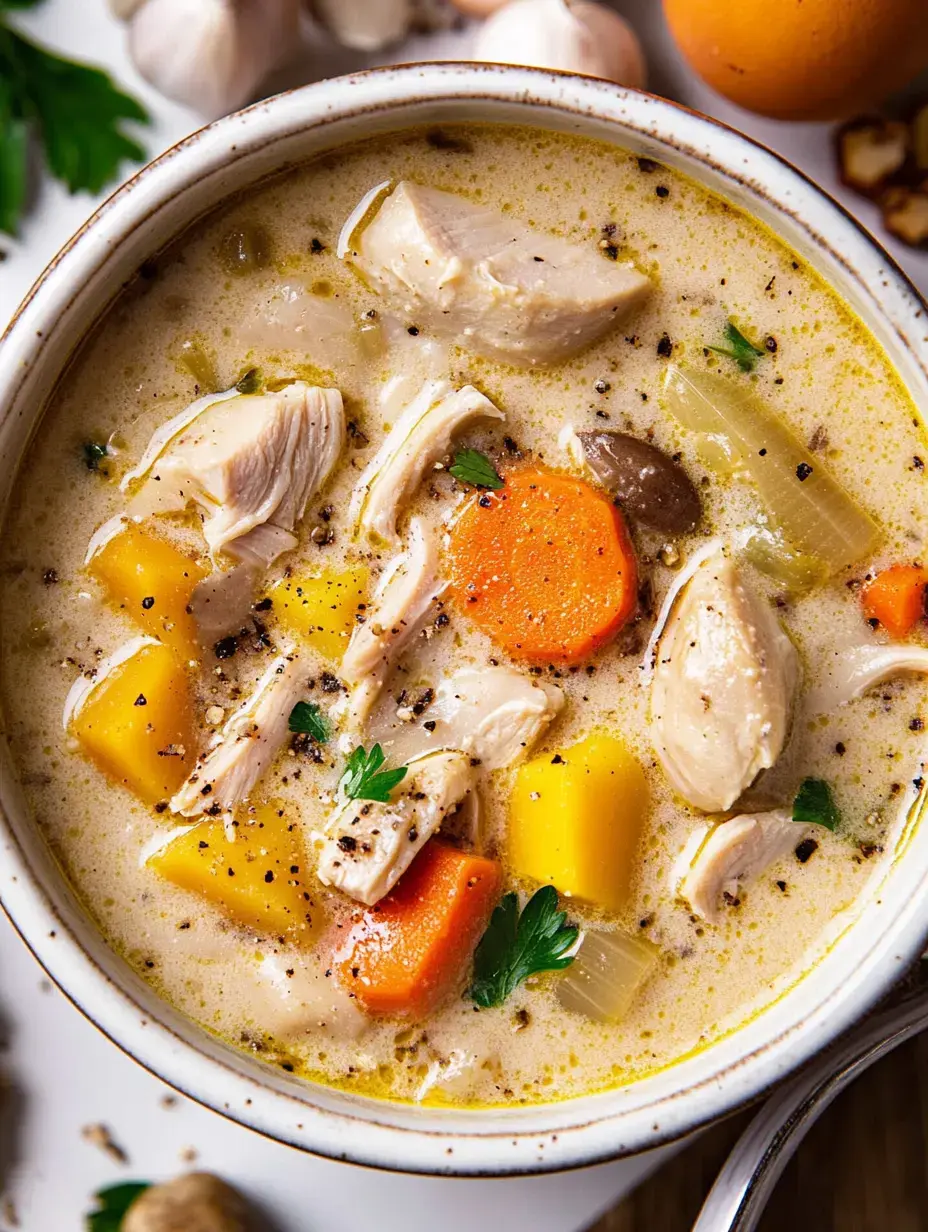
(905, 215)
(920, 137)
(871, 151)
(646, 482)
(198, 1201)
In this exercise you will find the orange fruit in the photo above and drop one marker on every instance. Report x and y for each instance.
(802, 59)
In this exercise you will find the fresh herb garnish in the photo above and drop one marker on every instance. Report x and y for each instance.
(93, 453)
(113, 1202)
(740, 349)
(306, 719)
(814, 803)
(473, 467)
(362, 778)
(76, 112)
(516, 946)
(250, 383)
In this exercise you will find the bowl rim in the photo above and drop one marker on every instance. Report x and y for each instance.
(546, 1137)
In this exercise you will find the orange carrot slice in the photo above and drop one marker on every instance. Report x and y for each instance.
(406, 955)
(896, 598)
(544, 566)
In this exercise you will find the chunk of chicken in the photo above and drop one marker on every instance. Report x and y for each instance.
(501, 288)
(723, 687)
(250, 462)
(719, 858)
(248, 743)
(421, 437)
(368, 846)
(406, 592)
(295, 998)
(493, 713)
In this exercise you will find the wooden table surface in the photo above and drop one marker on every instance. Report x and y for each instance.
(863, 1167)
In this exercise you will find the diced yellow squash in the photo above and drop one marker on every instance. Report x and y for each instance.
(137, 725)
(323, 609)
(152, 581)
(575, 819)
(260, 879)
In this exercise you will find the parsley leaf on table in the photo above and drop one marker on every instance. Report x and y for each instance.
(74, 110)
(113, 1202)
(306, 719)
(814, 803)
(473, 467)
(361, 781)
(740, 349)
(516, 946)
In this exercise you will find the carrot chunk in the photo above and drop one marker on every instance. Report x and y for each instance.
(406, 955)
(544, 566)
(896, 598)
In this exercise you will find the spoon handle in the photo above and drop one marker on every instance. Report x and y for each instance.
(745, 1183)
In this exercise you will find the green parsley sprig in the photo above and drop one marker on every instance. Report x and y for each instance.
(114, 1202)
(473, 467)
(740, 349)
(362, 778)
(815, 804)
(306, 719)
(516, 946)
(75, 111)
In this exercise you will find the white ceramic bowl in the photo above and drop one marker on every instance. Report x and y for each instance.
(866, 951)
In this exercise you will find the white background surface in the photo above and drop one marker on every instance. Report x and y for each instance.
(64, 1074)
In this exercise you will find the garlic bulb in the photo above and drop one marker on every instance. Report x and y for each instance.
(211, 55)
(578, 36)
(365, 25)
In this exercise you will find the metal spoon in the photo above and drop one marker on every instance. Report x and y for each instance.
(743, 1188)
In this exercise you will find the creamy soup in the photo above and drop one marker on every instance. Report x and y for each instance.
(553, 546)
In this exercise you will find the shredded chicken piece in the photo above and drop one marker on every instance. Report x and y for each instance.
(297, 998)
(495, 713)
(421, 437)
(369, 845)
(407, 591)
(717, 859)
(250, 740)
(250, 462)
(723, 685)
(502, 288)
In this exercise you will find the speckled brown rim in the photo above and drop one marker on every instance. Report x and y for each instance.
(861, 959)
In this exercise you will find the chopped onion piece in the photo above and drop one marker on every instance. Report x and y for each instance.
(607, 972)
(766, 548)
(858, 668)
(815, 513)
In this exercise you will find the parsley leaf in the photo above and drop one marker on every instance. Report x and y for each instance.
(361, 781)
(516, 946)
(93, 454)
(250, 383)
(473, 467)
(75, 110)
(306, 719)
(113, 1205)
(740, 349)
(814, 803)
(14, 141)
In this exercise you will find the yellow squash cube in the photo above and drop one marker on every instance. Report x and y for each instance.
(137, 724)
(323, 609)
(260, 879)
(152, 581)
(575, 819)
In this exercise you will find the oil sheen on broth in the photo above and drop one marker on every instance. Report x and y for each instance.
(260, 285)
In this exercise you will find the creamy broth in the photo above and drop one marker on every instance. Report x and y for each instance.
(190, 324)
